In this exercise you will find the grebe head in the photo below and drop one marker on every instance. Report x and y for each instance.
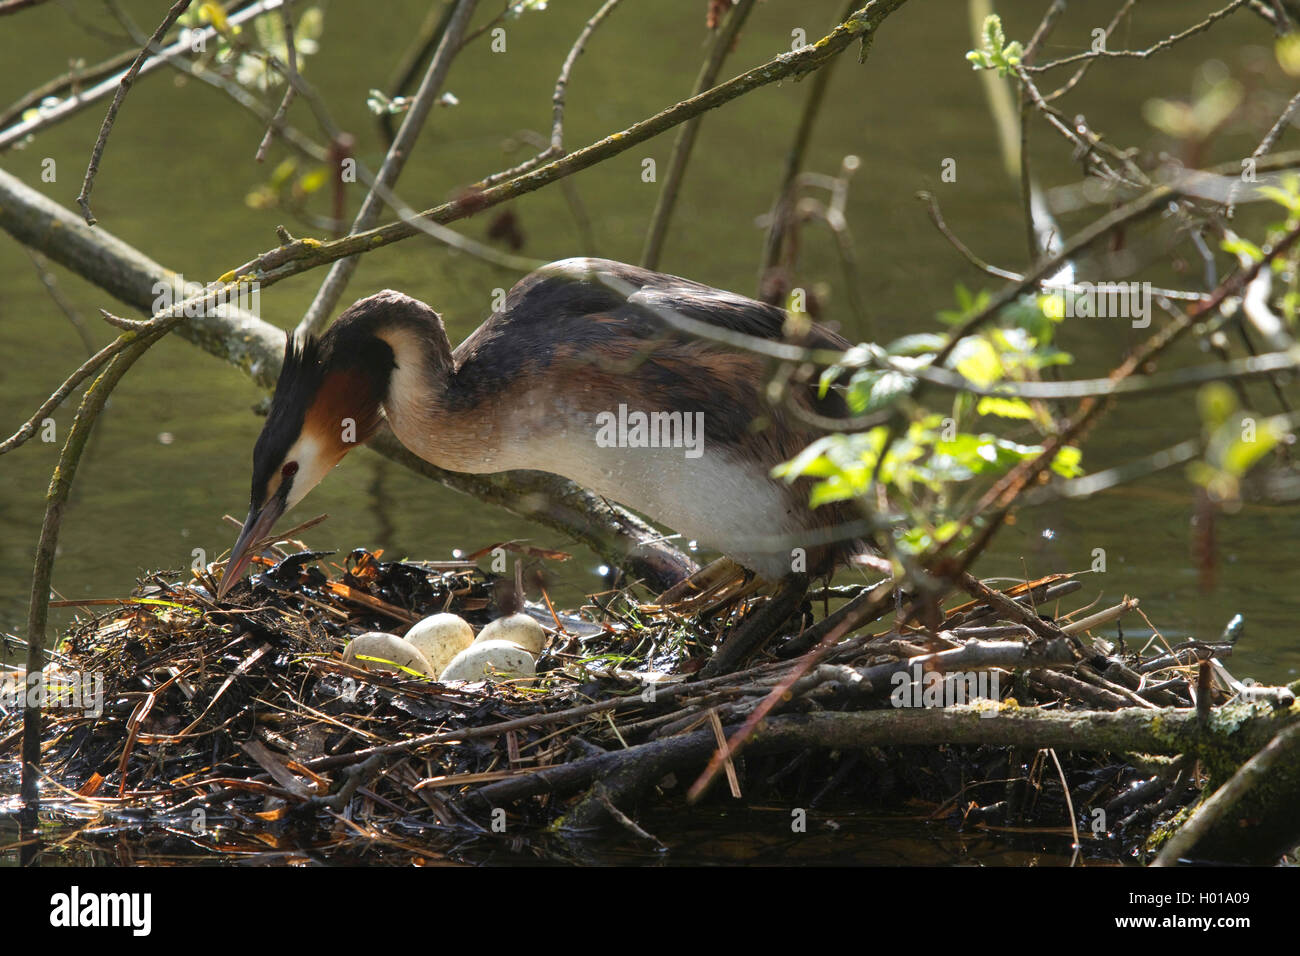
(327, 400)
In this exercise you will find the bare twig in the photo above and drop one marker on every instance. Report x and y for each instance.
(412, 123)
(1271, 137)
(85, 370)
(936, 217)
(292, 137)
(74, 79)
(83, 98)
(685, 142)
(1069, 801)
(1079, 74)
(556, 147)
(1265, 145)
(1164, 44)
(291, 53)
(783, 206)
(426, 41)
(48, 280)
(124, 86)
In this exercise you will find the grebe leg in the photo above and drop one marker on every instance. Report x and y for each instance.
(759, 627)
(712, 576)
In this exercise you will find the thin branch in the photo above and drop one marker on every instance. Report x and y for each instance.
(48, 280)
(783, 206)
(426, 41)
(685, 142)
(60, 394)
(70, 80)
(290, 91)
(1045, 28)
(278, 264)
(126, 325)
(74, 104)
(412, 123)
(295, 139)
(556, 147)
(1265, 145)
(833, 215)
(1082, 71)
(1164, 44)
(124, 86)
(1085, 149)
(577, 209)
(1069, 801)
(1271, 137)
(936, 217)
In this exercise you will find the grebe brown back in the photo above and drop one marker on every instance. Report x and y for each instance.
(574, 377)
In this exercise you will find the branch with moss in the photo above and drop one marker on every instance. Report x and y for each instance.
(1232, 738)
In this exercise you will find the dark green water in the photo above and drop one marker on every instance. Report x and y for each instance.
(171, 455)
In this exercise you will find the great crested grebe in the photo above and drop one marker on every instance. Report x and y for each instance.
(581, 375)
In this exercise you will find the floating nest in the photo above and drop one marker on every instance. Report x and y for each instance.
(240, 729)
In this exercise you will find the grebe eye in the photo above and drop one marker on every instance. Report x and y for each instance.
(289, 470)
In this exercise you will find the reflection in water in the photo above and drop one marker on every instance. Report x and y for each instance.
(755, 836)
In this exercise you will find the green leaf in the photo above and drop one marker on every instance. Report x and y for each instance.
(1067, 462)
(314, 180)
(1005, 408)
(919, 343)
(996, 51)
(1216, 403)
(283, 173)
(977, 360)
(1237, 246)
(1249, 440)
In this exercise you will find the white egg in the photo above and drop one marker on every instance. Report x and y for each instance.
(519, 628)
(440, 637)
(495, 660)
(377, 651)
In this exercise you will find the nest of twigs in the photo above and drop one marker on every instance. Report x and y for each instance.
(242, 726)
